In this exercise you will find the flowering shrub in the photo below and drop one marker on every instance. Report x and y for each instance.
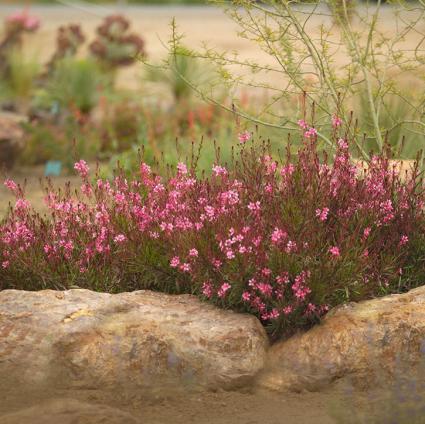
(15, 26)
(283, 239)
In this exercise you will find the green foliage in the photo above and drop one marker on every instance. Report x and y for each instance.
(75, 84)
(176, 70)
(42, 144)
(19, 81)
(398, 117)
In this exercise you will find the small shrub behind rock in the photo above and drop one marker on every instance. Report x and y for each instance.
(284, 239)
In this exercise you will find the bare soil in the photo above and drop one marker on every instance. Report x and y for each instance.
(221, 407)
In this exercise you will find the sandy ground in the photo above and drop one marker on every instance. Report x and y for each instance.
(334, 406)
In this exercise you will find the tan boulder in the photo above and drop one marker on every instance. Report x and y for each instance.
(82, 339)
(369, 343)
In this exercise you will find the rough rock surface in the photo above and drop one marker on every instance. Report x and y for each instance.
(69, 411)
(82, 339)
(368, 342)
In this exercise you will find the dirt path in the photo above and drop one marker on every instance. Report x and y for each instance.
(206, 408)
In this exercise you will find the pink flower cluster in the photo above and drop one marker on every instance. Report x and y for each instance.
(254, 236)
(23, 20)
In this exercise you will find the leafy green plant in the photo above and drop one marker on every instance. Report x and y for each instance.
(74, 85)
(42, 143)
(398, 117)
(18, 84)
(175, 71)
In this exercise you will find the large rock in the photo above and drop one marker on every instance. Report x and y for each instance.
(369, 342)
(82, 339)
(69, 411)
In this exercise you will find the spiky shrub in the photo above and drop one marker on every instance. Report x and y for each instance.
(19, 83)
(284, 239)
(74, 85)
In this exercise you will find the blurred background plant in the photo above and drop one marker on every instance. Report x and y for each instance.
(17, 72)
(18, 84)
(75, 85)
(176, 70)
(15, 26)
(68, 40)
(74, 105)
(115, 45)
(376, 66)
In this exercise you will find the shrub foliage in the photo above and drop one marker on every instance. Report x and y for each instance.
(284, 237)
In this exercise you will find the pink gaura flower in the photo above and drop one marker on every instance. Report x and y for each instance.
(12, 186)
(278, 235)
(403, 240)
(366, 232)
(82, 168)
(22, 18)
(219, 170)
(254, 206)
(334, 251)
(302, 124)
(185, 267)
(244, 137)
(246, 296)
(193, 253)
(290, 246)
(287, 309)
(216, 263)
(310, 133)
(283, 278)
(342, 144)
(22, 204)
(175, 262)
(181, 169)
(336, 121)
(207, 289)
(230, 254)
(225, 287)
(266, 272)
(120, 238)
(322, 214)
